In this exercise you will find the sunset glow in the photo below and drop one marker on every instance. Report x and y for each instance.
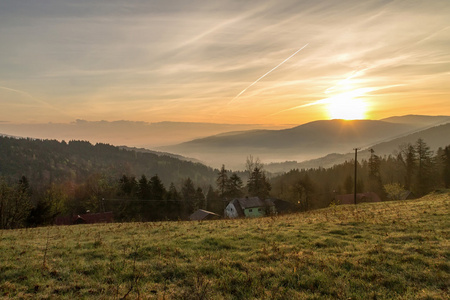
(347, 109)
(348, 105)
(283, 62)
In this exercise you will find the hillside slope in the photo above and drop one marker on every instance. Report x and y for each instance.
(304, 142)
(435, 137)
(389, 250)
(47, 161)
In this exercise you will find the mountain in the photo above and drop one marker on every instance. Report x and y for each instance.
(129, 133)
(51, 161)
(304, 142)
(418, 120)
(159, 153)
(434, 137)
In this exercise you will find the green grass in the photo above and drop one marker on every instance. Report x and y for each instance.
(384, 250)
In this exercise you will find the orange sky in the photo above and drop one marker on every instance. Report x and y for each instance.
(222, 61)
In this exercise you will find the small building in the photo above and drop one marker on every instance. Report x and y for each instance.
(203, 215)
(407, 195)
(249, 207)
(106, 217)
(360, 198)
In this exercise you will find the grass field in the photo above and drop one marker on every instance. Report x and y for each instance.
(387, 250)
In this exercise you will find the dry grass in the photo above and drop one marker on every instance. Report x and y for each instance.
(384, 250)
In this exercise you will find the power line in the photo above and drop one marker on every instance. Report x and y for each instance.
(141, 200)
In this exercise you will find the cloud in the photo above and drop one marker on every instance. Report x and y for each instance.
(169, 60)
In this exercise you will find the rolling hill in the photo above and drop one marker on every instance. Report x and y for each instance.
(388, 250)
(47, 161)
(435, 137)
(304, 142)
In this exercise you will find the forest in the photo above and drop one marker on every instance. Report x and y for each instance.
(43, 179)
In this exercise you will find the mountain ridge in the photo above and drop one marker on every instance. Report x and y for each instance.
(303, 142)
(434, 137)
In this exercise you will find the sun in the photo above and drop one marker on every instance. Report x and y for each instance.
(347, 106)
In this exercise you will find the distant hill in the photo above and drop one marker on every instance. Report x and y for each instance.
(159, 153)
(129, 133)
(304, 142)
(47, 161)
(418, 120)
(435, 137)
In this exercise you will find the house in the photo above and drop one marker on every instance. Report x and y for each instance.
(249, 207)
(360, 198)
(202, 215)
(106, 217)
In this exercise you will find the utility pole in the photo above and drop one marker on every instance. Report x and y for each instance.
(356, 164)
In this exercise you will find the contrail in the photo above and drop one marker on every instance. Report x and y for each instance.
(34, 99)
(243, 91)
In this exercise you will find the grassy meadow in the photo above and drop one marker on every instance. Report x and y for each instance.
(387, 250)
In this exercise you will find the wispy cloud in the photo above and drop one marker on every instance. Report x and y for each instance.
(185, 60)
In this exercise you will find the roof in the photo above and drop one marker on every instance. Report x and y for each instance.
(237, 205)
(407, 195)
(203, 215)
(360, 197)
(106, 217)
(251, 202)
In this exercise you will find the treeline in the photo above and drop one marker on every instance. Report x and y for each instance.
(61, 188)
(26, 204)
(413, 168)
(130, 199)
(51, 161)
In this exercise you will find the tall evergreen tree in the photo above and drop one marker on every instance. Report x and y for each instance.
(305, 189)
(374, 183)
(214, 202)
(189, 197)
(157, 188)
(258, 185)
(15, 205)
(201, 200)
(128, 185)
(222, 181)
(445, 156)
(407, 158)
(174, 204)
(424, 167)
(144, 190)
(234, 186)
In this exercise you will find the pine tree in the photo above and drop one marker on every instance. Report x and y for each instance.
(374, 183)
(304, 189)
(189, 197)
(407, 158)
(424, 167)
(200, 199)
(144, 191)
(445, 156)
(222, 181)
(173, 208)
(234, 186)
(157, 188)
(213, 202)
(257, 184)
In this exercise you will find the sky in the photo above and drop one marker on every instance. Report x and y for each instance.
(238, 62)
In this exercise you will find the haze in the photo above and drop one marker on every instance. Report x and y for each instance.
(222, 61)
